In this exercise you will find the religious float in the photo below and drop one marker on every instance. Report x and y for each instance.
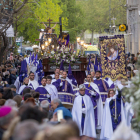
(54, 50)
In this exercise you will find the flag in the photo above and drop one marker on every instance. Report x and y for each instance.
(23, 71)
(113, 62)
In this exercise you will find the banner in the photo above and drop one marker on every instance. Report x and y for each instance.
(112, 51)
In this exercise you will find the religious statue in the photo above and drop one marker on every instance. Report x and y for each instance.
(64, 40)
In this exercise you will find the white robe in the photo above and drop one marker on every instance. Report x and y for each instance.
(99, 105)
(27, 59)
(34, 84)
(53, 80)
(89, 124)
(22, 88)
(52, 91)
(107, 130)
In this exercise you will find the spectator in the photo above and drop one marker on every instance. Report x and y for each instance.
(1, 93)
(13, 76)
(59, 132)
(26, 90)
(18, 100)
(30, 100)
(57, 105)
(26, 130)
(11, 103)
(2, 102)
(6, 75)
(36, 97)
(45, 106)
(32, 113)
(24, 107)
(26, 96)
(13, 88)
(7, 114)
(8, 94)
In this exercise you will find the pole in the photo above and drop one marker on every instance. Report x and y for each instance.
(110, 15)
(21, 44)
(60, 27)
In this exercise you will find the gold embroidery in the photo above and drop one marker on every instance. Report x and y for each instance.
(114, 68)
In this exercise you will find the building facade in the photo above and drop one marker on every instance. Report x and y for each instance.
(133, 22)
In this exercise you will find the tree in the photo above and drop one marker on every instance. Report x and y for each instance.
(8, 10)
(97, 15)
(40, 12)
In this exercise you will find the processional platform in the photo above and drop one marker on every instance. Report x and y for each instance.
(78, 69)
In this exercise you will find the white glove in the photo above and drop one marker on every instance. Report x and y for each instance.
(61, 84)
(93, 93)
(48, 96)
(84, 110)
(23, 74)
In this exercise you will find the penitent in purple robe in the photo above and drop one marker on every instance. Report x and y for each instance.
(99, 83)
(44, 95)
(66, 87)
(93, 99)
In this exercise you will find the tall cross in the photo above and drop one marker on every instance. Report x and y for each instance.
(113, 20)
(49, 21)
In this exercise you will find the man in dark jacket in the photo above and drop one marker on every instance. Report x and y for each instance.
(13, 88)
(13, 76)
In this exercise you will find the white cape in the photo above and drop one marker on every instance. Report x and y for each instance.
(99, 105)
(34, 84)
(22, 88)
(52, 91)
(53, 80)
(89, 125)
(109, 81)
(107, 130)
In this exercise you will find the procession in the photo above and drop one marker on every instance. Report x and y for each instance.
(67, 86)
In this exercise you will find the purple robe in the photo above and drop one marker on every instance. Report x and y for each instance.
(112, 111)
(94, 100)
(44, 95)
(62, 88)
(99, 83)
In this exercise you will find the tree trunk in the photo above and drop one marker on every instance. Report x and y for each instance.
(3, 46)
(92, 37)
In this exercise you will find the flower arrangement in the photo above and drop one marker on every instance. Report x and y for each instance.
(66, 55)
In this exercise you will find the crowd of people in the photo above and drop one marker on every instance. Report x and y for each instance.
(29, 109)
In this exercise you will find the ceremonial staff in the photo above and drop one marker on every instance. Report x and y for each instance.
(116, 119)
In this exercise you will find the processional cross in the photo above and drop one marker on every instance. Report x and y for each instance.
(49, 21)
